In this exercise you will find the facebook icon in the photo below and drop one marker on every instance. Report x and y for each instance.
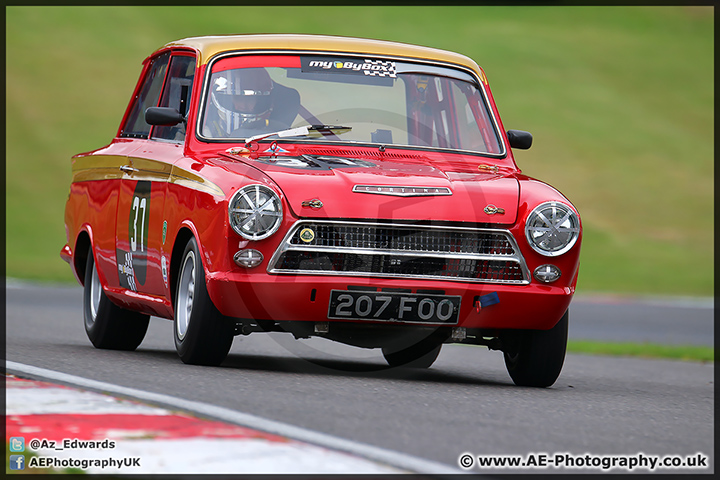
(17, 462)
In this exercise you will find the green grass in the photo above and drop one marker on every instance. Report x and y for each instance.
(619, 100)
(644, 350)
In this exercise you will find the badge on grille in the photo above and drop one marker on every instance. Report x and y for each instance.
(307, 235)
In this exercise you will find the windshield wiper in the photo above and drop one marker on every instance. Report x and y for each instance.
(307, 130)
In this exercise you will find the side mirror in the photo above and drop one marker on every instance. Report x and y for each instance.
(519, 139)
(163, 116)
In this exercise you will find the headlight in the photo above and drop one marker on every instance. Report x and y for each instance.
(552, 228)
(255, 212)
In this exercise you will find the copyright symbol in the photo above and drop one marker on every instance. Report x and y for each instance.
(466, 460)
(34, 444)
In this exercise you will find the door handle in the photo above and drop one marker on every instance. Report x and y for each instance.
(129, 169)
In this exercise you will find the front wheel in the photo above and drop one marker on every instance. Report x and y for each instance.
(203, 336)
(107, 325)
(534, 358)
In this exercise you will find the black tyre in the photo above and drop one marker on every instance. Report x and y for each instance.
(107, 325)
(535, 358)
(203, 336)
(419, 355)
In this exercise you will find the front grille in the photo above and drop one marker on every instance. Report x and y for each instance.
(408, 251)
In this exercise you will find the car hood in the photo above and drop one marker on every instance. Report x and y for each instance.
(418, 189)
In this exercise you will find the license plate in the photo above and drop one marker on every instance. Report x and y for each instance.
(394, 307)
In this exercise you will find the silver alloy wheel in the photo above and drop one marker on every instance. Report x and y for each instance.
(186, 294)
(95, 293)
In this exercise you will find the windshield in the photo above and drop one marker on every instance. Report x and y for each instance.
(383, 102)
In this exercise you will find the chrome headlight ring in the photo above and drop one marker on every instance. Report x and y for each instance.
(255, 212)
(552, 228)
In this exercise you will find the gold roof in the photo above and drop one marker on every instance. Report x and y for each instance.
(209, 46)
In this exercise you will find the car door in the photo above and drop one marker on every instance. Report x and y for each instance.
(141, 228)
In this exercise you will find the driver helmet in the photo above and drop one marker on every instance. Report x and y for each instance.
(242, 96)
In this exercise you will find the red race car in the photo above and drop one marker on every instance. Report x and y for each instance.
(357, 190)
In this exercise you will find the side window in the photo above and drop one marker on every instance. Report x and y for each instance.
(135, 126)
(176, 94)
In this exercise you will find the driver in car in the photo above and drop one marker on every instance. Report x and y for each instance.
(244, 103)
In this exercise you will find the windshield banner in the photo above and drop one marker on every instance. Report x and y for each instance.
(352, 66)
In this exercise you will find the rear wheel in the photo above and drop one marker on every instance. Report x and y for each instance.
(203, 336)
(107, 325)
(534, 358)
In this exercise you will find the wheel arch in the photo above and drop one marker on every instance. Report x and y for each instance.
(83, 248)
(181, 239)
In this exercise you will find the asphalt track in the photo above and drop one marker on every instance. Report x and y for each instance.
(466, 403)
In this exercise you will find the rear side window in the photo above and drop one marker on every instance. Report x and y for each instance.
(148, 96)
(176, 94)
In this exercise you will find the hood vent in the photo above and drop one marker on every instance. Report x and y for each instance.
(374, 153)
